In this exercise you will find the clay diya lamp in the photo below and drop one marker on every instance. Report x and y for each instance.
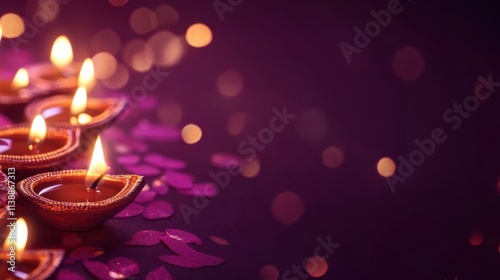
(78, 200)
(36, 148)
(62, 74)
(15, 92)
(18, 263)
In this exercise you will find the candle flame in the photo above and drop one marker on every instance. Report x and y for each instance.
(20, 238)
(97, 164)
(21, 79)
(79, 102)
(1, 32)
(38, 130)
(62, 53)
(84, 118)
(86, 77)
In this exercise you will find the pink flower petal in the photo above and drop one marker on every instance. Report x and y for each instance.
(124, 266)
(145, 196)
(183, 236)
(182, 249)
(159, 186)
(130, 159)
(164, 162)
(158, 210)
(219, 240)
(71, 240)
(181, 261)
(160, 273)
(201, 189)
(180, 180)
(154, 132)
(145, 238)
(98, 269)
(224, 160)
(66, 274)
(85, 253)
(142, 169)
(132, 210)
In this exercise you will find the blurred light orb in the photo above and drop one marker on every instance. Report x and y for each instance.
(236, 123)
(166, 15)
(46, 10)
(229, 83)
(476, 238)
(386, 167)
(118, 3)
(316, 266)
(143, 20)
(332, 157)
(269, 272)
(287, 208)
(138, 55)
(199, 35)
(104, 65)
(311, 125)
(250, 169)
(166, 47)
(12, 25)
(408, 64)
(170, 113)
(106, 41)
(191, 134)
(118, 79)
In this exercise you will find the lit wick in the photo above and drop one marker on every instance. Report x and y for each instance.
(97, 165)
(78, 104)
(96, 182)
(61, 55)
(37, 133)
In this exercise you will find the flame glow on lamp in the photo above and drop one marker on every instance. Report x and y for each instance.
(78, 104)
(37, 132)
(98, 166)
(20, 239)
(1, 32)
(62, 53)
(86, 77)
(20, 80)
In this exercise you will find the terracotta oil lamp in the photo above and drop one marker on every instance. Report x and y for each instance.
(79, 199)
(18, 263)
(15, 93)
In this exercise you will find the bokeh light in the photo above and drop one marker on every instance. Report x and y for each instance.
(476, 238)
(137, 55)
(287, 208)
(269, 272)
(119, 78)
(250, 169)
(104, 65)
(199, 35)
(236, 123)
(166, 15)
(118, 3)
(106, 41)
(229, 83)
(386, 167)
(12, 25)
(170, 113)
(43, 15)
(316, 266)
(191, 134)
(408, 64)
(143, 20)
(167, 48)
(311, 125)
(332, 157)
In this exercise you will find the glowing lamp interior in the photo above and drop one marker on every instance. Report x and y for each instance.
(38, 130)
(86, 77)
(20, 80)
(98, 164)
(79, 102)
(62, 53)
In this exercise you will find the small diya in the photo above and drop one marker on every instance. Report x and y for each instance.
(15, 92)
(80, 199)
(62, 74)
(37, 147)
(18, 263)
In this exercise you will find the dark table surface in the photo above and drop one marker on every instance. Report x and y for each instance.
(394, 91)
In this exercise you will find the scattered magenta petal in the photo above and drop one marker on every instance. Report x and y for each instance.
(132, 210)
(145, 196)
(181, 261)
(146, 170)
(183, 236)
(66, 274)
(201, 189)
(158, 210)
(180, 180)
(124, 266)
(98, 269)
(158, 133)
(224, 160)
(159, 273)
(85, 253)
(219, 240)
(145, 238)
(71, 240)
(164, 162)
(130, 159)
